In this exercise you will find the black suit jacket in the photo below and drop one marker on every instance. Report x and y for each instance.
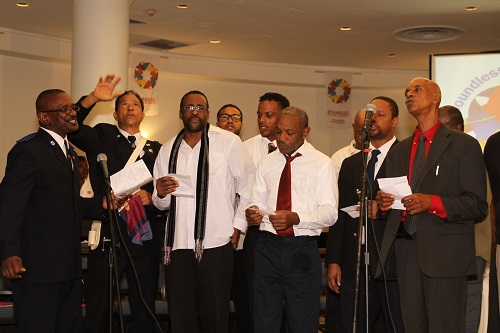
(343, 235)
(39, 210)
(107, 139)
(454, 170)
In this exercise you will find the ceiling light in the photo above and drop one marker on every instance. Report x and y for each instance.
(345, 28)
(22, 4)
(151, 12)
(471, 8)
(182, 6)
(215, 41)
(391, 55)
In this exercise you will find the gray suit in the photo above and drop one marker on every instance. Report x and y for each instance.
(444, 248)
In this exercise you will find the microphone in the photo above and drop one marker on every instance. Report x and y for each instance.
(102, 159)
(370, 111)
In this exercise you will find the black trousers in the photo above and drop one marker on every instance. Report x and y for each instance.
(199, 292)
(48, 307)
(286, 269)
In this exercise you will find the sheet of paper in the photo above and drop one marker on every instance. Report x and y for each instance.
(398, 187)
(353, 211)
(130, 179)
(186, 188)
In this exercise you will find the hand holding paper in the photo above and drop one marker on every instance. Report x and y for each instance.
(398, 187)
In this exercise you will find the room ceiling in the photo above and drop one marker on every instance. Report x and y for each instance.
(301, 32)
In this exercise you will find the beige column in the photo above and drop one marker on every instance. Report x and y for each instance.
(100, 45)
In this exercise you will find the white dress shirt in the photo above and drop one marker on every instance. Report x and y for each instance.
(230, 170)
(314, 189)
(340, 155)
(384, 149)
(258, 147)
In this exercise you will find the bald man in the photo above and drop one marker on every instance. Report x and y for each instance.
(433, 237)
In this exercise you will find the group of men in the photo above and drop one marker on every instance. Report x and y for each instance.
(275, 190)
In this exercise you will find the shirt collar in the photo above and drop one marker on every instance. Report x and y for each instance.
(384, 149)
(138, 135)
(429, 134)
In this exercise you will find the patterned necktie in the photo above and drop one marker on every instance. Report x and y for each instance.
(271, 147)
(284, 200)
(132, 138)
(68, 154)
(370, 168)
(410, 223)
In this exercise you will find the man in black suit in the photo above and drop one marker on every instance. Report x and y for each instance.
(434, 252)
(40, 221)
(117, 143)
(341, 251)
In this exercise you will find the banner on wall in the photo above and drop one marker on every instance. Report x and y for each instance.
(144, 80)
(338, 101)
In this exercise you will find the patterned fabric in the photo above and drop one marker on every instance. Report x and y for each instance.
(138, 226)
(410, 224)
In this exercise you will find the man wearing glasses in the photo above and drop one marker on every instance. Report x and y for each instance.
(230, 118)
(202, 229)
(40, 221)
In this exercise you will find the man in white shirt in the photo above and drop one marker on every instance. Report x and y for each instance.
(355, 146)
(291, 213)
(202, 231)
(270, 105)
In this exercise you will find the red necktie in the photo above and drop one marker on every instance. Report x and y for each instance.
(284, 201)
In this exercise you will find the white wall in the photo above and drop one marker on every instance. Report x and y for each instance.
(28, 65)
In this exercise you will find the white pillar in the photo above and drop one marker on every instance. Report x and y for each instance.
(100, 45)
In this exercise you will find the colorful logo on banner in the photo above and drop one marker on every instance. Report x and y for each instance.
(144, 78)
(339, 90)
(146, 75)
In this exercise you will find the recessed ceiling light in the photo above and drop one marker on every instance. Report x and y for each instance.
(215, 41)
(22, 4)
(471, 8)
(182, 6)
(391, 55)
(345, 28)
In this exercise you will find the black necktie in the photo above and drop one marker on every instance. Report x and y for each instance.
(410, 223)
(131, 138)
(271, 147)
(68, 154)
(370, 168)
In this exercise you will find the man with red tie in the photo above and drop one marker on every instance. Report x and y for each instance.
(294, 196)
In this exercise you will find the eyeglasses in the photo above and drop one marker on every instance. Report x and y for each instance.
(234, 117)
(65, 109)
(191, 108)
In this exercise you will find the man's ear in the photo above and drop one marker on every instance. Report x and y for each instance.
(115, 116)
(43, 118)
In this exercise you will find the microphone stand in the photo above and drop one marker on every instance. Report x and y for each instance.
(113, 271)
(363, 222)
